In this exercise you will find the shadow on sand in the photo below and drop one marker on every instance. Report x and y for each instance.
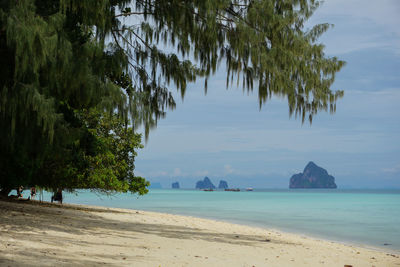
(19, 217)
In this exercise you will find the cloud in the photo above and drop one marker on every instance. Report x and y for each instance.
(224, 133)
(201, 173)
(139, 173)
(158, 174)
(177, 172)
(383, 12)
(228, 169)
(393, 170)
(359, 25)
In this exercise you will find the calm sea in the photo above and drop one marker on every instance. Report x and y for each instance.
(369, 217)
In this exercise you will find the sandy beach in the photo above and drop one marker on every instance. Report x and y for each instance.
(43, 234)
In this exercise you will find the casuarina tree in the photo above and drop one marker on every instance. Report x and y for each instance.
(78, 76)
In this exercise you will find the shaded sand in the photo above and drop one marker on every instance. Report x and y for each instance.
(33, 234)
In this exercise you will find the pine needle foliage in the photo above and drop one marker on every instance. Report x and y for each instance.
(63, 60)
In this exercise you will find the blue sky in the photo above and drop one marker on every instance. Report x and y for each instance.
(224, 135)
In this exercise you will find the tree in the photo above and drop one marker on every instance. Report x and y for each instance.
(262, 42)
(53, 68)
(98, 154)
(102, 159)
(62, 61)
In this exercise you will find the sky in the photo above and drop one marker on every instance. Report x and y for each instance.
(225, 136)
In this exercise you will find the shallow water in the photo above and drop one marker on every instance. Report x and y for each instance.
(370, 217)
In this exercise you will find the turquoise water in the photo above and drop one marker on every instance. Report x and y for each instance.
(370, 217)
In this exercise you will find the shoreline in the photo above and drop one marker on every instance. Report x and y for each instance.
(386, 249)
(311, 236)
(74, 234)
(339, 224)
(359, 244)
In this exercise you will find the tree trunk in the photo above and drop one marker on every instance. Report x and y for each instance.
(4, 192)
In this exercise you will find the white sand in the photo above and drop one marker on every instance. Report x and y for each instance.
(72, 235)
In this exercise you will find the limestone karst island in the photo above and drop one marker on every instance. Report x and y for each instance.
(313, 176)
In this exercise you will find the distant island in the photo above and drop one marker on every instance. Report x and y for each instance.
(205, 184)
(175, 185)
(313, 176)
(223, 185)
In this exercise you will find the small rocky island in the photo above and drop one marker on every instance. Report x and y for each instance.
(313, 176)
(223, 185)
(205, 184)
(175, 185)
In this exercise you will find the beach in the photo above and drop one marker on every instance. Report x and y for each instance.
(44, 234)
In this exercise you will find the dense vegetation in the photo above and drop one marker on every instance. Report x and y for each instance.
(78, 76)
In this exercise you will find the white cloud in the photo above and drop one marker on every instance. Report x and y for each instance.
(383, 12)
(360, 125)
(228, 169)
(359, 24)
(206, 132)
(393, 170)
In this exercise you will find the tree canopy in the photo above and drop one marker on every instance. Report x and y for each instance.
(77, 77)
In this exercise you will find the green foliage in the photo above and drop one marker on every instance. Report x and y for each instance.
(55, 66)
(263, 44)
(111, 150)
(74, 74)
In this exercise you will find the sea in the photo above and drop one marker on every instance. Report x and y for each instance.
(368, 218)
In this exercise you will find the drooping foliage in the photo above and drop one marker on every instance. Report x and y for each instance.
(263, 44)
(56, 70)
(77, 76)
